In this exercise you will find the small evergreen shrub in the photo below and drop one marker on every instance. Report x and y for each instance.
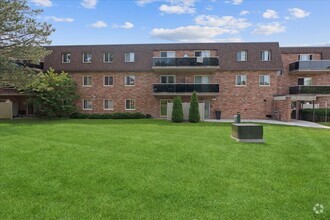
(194, 115)
(177, 112)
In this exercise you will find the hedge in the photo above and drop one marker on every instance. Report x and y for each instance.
(318, 112)
(117, 115)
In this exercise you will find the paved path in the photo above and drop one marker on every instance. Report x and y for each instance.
(291, 123)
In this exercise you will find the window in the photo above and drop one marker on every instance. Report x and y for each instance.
(265, 55)
(203, 53)
(241, 55)
(130, 104)
(108, 81)
(241, 80)
(305, 81)
(87, 57)
(107, 57)
(305, 57)
(129, 57)
(167, 54)
(108, 104)
(87, 81)
(167, 79)
(87, 104)
(129, 80)
(66, 57)
(202, 79)
(163, 106)
(264, 80)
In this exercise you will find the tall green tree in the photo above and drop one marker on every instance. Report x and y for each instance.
(21, 39)
(54, 93)
(194, 115)
(177, 112)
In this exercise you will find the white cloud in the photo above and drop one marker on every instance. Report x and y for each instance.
(270, 14)
(268, 29)
(228, 22)
(244, 12)
(298, 13)
(189, 33)
(126, 25)
(89, 3)
(234, 2)
(173, 6)
(209, 8)
(44, 3)
(56, 19)
(99, 24)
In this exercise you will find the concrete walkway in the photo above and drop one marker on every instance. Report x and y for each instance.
(291, 123)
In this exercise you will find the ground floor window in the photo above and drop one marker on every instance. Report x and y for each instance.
(87, 104)
(163, 106)
(130, 104)
(108, 104)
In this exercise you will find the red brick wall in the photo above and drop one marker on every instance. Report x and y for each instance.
(249, 100)
(283, 107)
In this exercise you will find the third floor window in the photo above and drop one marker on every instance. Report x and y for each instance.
(87, 57)
(66, 57)
(129, 57)
(241, 55)
(167, 54)
(265, 55)
(305, 57)
(203, 53)
(107, 57)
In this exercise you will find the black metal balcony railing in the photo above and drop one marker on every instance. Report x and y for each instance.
(309, 90)
(312, 65)
(186, 62)
(185, 88)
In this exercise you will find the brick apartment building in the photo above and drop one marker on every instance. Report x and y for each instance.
(259, 80)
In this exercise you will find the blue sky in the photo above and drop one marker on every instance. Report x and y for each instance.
(290, 22)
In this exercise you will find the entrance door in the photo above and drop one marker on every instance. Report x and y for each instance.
(163, 107)
(30, 109)
(206, 109)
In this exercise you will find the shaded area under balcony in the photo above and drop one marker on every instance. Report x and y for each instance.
(311, 66)
(186, 89)
(206, 64)
(309, 90)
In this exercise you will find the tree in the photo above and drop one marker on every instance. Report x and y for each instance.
(194, 115)
(54, 93)
(21, 39)
(177, 113)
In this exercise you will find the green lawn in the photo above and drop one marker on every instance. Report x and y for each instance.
(326, 123)
(153, 169)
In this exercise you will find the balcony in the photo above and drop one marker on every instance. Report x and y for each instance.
(206, 64)
(309, 90)
(186, 89)
(312, 66)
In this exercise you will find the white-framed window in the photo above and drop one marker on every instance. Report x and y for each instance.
(87, 81)
(87, 104)
(305, 57)
(87, 57)
(163, 106)
(304, 81)
(167, 79)
(241, 80)
(108, 104)
(107, 57)
(108, 80)
(129, 80)
(129, 104)
(66, 57)
(265, 55)
(241, 55)
(129, 57)
(202, 79)
(264, 80)
(203, 53)
(169, 54)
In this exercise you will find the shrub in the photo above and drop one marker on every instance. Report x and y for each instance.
(148, 116)
(194, 109)
(117, 115)
(177, 112)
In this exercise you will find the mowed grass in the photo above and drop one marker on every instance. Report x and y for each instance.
(154, 169)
